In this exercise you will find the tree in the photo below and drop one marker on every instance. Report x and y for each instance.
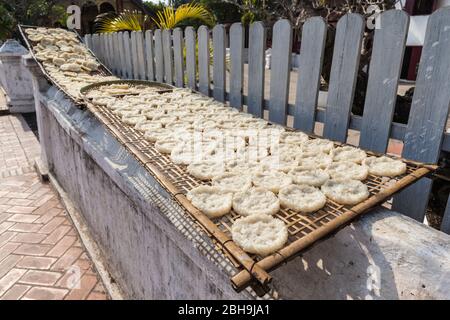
(31, 12)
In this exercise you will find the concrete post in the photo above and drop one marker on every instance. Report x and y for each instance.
(40, 85)
(15, 80)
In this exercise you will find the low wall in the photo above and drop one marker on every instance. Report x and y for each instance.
(154, 250)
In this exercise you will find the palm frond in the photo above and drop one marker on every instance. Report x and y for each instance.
(125, 21)
(169, 18)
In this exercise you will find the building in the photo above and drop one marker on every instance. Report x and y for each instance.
(419, 10)
(91, 8)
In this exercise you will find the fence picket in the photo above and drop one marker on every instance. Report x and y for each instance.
(134, 55)
(256, 60)
(203, 60)
(344, 69)
(178, 57)
(219, 70)
(168, 55)
(141, 55)
(429, 112)
(280, 71)
(127, 51)
(159, 60)
(385, 68)
(88, 41)
(236, 64)
(123, 68)
(312, 50)
(191, 58)
(149, 51)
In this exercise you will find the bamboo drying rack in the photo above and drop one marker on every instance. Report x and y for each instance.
(102, 71)
(304, 230)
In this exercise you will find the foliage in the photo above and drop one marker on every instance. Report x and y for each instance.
(170, 18)
(125, 21)
(31, 12)
(224, 12)
(152, 8)
(166, 18)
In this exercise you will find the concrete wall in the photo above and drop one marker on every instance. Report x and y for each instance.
(155, 252)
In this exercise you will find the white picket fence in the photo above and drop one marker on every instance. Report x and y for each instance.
(182, 58)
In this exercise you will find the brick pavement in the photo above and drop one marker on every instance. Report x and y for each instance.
(41, 256)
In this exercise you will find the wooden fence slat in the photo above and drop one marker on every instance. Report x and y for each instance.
(122, 61)
(107, 53)
(100, 48)
(191, 58)
(149, 52)
(178, 57)
(236, 65)
(103, 50)
(128, 58)
(140, 55)
(280, 71)
(219, 69)
(95, 48)
(110, 49)
(134, 57)
(114, 52)
(159, 60)
(168, 55)
(429, 111)
(344, 69)
(312, 50)
(445, 225)
(256, 61)
(385, 67)
(88, 41)
(203, 60)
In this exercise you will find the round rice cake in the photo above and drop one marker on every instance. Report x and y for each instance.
(147, 126)
(345, 191)
(348, 170)
(166, 144)
(297, 138)
(206, 169)
(233, 182)
(317, 145)
(155, 134)
(385, 166)
(272, 180)
(212, 201)
(348, 153)
(133, 119)
(242, 167)
(318, 160)
(259, 234)
(302, 198)
(309, 176)
(256, 201)
(279, 162)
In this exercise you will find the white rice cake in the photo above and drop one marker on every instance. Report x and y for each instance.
(256, 201)
(212, 201)
(348, 170)
(309, 176)
(302, 198)
(385, 166)
(259, 234)
(346, 191)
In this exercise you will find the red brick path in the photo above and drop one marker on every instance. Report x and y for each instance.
(41, 256)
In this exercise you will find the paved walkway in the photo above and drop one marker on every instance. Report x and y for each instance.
(41, 256)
